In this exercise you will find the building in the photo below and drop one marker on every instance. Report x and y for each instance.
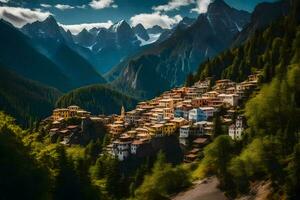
(168, 113)
(182, 111)
(199, 102)
(116, 129)
(209, 112)
(157, 130)
(203, 84)
(135, 145)
(132, 117)
(166, 103)
(184, 131)
(122, 147)
(71, 111)
(230, 99)
(169, 128)
(191, 131)
(197, 115)
(235, 130)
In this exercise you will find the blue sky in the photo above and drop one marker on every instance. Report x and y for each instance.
(163, 12)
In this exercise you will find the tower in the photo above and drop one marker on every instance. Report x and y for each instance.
(122, 112)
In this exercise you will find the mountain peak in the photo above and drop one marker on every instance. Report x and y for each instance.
(118, 25)
(50, 20)
(84, 31)
(139, 26)
(141, 32)
(218, 4)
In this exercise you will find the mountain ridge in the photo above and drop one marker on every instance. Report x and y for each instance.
(180, 54)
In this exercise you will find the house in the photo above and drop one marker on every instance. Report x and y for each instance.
(235, 130)
(135, 145)
(168, 113)
(179, 122)
(224, 83)
(116, 129)
(199, 102)
(71, 111)
(157, 130)
(192, 155)
(209, 112)
(166, 103)
(169, 128)
(230, 99)
(191, 130)
(200, 142)
(211, 94)
(60, 113)
(121, 148)
(131, 117)
(203, 84)
(182, 111)
(196, 115)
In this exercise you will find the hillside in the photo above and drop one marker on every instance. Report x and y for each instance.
(98, 99)
(51, 41)
(269, 50)
(270, 148)
(29, 60)
(263, 15)
(24, 99)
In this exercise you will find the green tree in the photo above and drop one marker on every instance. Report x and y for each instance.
(21, 177)
(293, 178)
(163, 181)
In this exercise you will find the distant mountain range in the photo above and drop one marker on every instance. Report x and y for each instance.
(51, 40)
(108, 47)
(141, 62)
(167, 64)
(19, 54)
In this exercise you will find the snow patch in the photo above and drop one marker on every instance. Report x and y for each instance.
(153, 38)
(238, 27)
(117, 25)
(206, 52)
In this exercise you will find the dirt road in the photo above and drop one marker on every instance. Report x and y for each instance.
(205, 190)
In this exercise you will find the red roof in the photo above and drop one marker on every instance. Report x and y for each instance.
(200, 140)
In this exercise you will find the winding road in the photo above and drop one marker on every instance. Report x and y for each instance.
(204, 190)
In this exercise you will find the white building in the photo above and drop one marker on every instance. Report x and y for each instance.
(231, 99)
(184, 131)
(209, 111)
(135, 145)
(235, 130)
(121, 149)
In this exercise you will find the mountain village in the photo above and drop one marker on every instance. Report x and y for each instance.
(185, 112)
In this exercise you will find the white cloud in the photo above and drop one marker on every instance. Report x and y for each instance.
(82, 6)
(4, 1)
(202, 6)
(100, 4)
(63, 7)
(21, 16)
(46, 5)
(149, 20)
(173, 5)
(77, 28)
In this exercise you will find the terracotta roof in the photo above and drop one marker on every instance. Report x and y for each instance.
(137, 142)
(200, 140)
(72, 127)
(191, 156)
